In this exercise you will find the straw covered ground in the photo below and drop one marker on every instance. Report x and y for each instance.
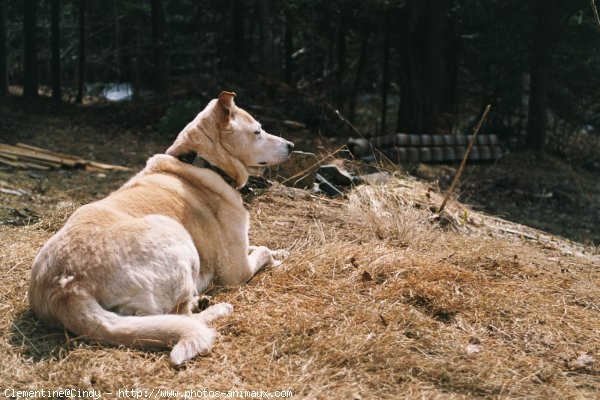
(379, 299)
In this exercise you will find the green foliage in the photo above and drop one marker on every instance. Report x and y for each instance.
(179, 115)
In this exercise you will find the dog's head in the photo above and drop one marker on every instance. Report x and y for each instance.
(231, 139)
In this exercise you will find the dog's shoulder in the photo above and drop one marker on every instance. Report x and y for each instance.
(162, 169)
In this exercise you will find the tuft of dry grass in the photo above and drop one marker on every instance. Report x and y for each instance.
(380, 298)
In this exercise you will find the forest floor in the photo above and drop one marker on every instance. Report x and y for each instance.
(380, 298)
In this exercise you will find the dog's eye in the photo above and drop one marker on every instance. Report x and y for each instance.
(257, 132)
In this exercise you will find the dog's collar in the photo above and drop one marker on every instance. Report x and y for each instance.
(193, 159)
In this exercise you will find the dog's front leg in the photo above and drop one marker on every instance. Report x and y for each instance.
(256, 258)
(259, 257)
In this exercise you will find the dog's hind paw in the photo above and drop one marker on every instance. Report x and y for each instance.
(214, 312)
(279, 256)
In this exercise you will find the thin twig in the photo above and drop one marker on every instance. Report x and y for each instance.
(595, 10)
(464, 160)
(355, 129)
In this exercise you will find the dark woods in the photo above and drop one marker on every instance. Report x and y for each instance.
(424, 66)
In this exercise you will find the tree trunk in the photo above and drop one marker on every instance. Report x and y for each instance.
(550, 19)
(385, 81)
(81, 64)
(289, 48)
(341, 61)
(263, 37)
(359, 73)
(161, 58)
(540, 58)
(30, 73)
(428, 73)
(535, 137)
(3, 51)
(238, 57)
(55, 45)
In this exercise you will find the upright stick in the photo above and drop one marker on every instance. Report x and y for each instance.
(464, 160)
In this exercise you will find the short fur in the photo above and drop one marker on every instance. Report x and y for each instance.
(125, 269)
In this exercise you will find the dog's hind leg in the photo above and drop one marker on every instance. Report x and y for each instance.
(214, 312)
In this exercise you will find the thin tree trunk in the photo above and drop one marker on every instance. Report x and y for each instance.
(161, 58)
(341, 61)
(262, 37)
(239, 40)
(312, 40)
(385, 80)
(550, 19)
(3, 51)
(55, 45)
(535, 138)
(30, 78)
(359, 73)
(136, 66)
(250, 43)
(289, 47)
(81, 64)
(429, 67)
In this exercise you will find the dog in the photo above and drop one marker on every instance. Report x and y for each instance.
(127, 269)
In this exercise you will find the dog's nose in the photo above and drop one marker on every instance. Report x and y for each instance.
(290, 146)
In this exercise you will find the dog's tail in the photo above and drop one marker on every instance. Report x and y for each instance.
(84, 316)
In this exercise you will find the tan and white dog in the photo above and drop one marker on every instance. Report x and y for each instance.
(125, 269)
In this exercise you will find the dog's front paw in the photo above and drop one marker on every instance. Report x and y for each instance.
(279, 256)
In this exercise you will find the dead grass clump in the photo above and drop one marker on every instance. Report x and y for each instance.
(56, 217)
(391, 216)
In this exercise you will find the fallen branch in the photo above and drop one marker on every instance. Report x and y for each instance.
(464, 160)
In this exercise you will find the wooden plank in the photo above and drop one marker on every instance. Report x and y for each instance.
(9, 156)
(99, 165)
(18, 151)
(79, 160)
(12, 163)
(37, 166)
(51, 152)
(34, 160)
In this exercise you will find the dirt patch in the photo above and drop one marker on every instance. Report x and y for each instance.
(543, 192)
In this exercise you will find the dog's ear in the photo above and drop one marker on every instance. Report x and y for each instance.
(226, 103)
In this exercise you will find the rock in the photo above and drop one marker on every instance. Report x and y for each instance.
(376, 178)
(255, 185)
(327, 187)
(473, 348)
(359, 147)
(299, 170)
(584, 361)
(336, 175)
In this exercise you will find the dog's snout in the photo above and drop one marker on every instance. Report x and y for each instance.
(290, 147)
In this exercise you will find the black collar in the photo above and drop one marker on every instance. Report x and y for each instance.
(191, 157)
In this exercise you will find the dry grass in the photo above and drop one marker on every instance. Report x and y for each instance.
(379, 299)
